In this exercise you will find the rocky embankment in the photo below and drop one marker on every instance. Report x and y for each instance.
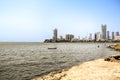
(115, 47)
(100, 69)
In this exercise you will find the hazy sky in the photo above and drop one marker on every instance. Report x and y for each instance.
(34, 20)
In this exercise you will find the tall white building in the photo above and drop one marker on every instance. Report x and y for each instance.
(104, 28)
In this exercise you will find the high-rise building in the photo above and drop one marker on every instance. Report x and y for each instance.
(104, 28)
(108, 35)
(69, 37)
(95, 36)
(98, 37)
(55, 35)
(117, 33)
(113, 35)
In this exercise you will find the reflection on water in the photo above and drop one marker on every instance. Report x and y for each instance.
(23, 61)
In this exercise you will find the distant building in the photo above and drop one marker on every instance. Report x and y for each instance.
(117, 33)
(78, 37)
(95, 36)
(55, 35)
(61, 37)
(99, 37)
(108, 35)
(74, 40)
(103, 27)
(117, 38)
(90, 36)
(113, 35)
(69, 37)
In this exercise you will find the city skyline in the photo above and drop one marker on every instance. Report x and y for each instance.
(33, 20)
(103, 35)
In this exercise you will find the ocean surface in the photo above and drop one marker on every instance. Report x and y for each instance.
(24, 61)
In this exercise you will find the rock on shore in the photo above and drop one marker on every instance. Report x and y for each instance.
(115, 47)
(92, 70)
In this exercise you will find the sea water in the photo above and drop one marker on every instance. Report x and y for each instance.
(24, 61)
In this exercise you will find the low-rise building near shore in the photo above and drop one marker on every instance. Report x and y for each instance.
(117, 38)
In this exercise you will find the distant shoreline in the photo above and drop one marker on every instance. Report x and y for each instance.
(54, 42)
(80, 42)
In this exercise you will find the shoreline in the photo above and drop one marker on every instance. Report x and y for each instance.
(99, 69)
(92, 70)
(115, 47)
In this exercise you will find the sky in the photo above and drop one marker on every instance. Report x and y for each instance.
(34, 20)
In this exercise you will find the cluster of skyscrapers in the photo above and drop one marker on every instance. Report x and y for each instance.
(68, 37)
(104, 35)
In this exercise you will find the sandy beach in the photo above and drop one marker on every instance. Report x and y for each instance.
(92, 70)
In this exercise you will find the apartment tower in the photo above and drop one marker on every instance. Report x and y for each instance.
(104, 28)
(55, 35)
(113, 35)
